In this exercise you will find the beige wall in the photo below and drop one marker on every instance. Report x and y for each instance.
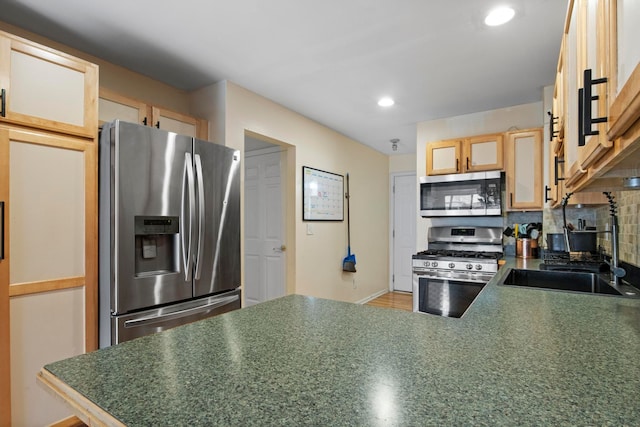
(517, 117)
(316, 260)
(402, 163)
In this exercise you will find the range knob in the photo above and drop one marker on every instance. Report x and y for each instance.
(434, 264)
(478, 266)
(452, 265)
(426, 263)
(469, 266)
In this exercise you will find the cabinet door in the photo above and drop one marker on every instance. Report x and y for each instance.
(624, 60)
(483, 153)
(443, 157)
(179, 123)
(572, 171)
(551, 193)
(593, 57)
(49, 273)
(524, 170)
(47, 89)
(112, 106)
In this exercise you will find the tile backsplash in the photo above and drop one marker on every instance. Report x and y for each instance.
(628, 223)
(628, 208)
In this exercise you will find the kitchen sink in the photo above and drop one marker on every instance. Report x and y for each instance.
(570, 281)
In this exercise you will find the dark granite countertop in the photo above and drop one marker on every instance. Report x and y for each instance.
(517, 357)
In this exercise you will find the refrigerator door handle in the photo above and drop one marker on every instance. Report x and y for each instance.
(201, 224)
(187, 254)
(159, 318)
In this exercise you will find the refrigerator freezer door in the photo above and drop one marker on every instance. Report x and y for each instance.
(128, 327)
(153, 184)
(218, 181)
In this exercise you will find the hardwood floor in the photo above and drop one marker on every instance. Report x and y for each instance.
(399, 300)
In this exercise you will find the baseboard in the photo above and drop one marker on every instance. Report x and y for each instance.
(372, 297)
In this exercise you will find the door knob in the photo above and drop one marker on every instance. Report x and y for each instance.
(282, 248)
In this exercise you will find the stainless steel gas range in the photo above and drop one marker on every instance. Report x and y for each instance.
(449, 275)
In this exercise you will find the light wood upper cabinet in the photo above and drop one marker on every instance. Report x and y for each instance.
(592, 62)
(114, 106)
(443, 157)
(47, 89)
(179, 123)
(622, 17)
(601, 36)
(552, 190)
(570, 86)
(483, 153)
(472, 154)
(523, 153)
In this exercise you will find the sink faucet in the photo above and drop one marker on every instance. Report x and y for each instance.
(617, 272)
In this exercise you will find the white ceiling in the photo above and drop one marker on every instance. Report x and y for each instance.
(329, 60)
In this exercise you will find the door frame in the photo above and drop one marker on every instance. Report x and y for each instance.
(288, 187)
(392, 201)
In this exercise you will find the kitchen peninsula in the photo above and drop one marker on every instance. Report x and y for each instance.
(517, 357)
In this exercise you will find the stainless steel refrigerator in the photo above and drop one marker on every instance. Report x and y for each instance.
(169, 230)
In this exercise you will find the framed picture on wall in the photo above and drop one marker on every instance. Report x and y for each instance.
(322, 195)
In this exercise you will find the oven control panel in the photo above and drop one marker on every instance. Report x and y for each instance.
(422, 265)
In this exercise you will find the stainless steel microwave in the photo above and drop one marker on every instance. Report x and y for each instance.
(463, 194)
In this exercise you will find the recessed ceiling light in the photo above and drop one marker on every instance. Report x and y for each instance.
(499, 16)
(386, 102)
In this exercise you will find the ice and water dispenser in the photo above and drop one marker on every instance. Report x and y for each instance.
(156, 245)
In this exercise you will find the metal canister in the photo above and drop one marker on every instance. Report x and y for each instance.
(524, 248)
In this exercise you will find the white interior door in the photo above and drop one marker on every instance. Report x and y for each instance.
(264, 228)
(404, 230)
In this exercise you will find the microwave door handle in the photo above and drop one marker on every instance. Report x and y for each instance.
(187, 181)
(201, 224)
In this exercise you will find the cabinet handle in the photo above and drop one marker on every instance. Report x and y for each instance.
(581, 139)
(144, 121)
(158, 124)
(552, 128)
(557, 161)
(510, 200)
(587, 97)
(467, 163)
(546, 193)
(3, 96)
(1, 230)
(457, 165)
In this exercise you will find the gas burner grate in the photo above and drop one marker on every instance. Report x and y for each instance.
(460, 254)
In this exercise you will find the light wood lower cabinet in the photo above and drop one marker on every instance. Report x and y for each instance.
(45, 327)
(48, 275)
